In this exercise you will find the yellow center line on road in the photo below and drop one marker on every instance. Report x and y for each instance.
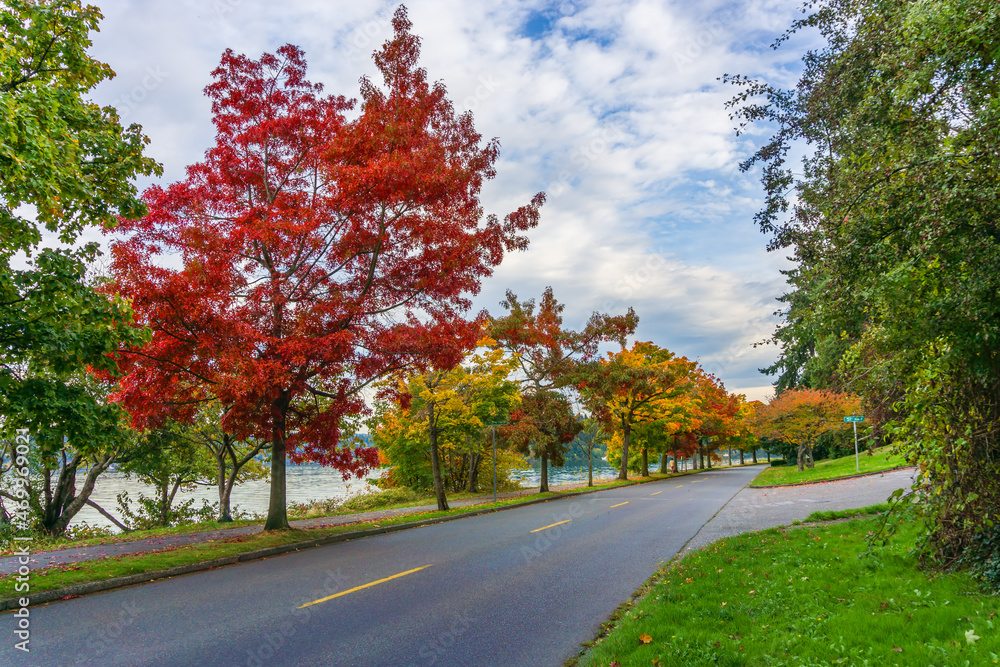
(363, 586)
(678, 486)
(620, 504)
(551, 525)
(653, 494)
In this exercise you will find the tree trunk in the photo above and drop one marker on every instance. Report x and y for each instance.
(800, 457)
(809, 457)
(476, 459)
(432, 434)
(708, 455)
(755, 455)
(107, 515)
(673, 444)
(768, 452)
(626, 434)
(61, 509)
(164, 520)
(741, 457)
(544, 487)
(277, 512)
(590, 465)
(663, 463)
(645, 462)
(222, 486)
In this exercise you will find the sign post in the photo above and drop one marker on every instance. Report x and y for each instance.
(494, 425)
(855, 420)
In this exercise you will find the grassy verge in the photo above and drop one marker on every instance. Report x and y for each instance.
(882, 458)
(56, 577)
(805, 596)
(317, 509)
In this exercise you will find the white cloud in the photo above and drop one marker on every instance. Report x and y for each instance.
(615, 109)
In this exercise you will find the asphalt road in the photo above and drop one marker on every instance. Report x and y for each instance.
(502, 589)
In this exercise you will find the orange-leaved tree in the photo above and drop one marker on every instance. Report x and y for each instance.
(633, 387)
(800, 416)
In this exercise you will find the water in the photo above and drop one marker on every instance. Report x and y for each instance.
(574, 472)
(309, 481)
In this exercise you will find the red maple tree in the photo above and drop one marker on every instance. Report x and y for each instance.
(549, 357)
(318, 254)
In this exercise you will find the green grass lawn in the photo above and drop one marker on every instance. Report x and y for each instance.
(805, 596)
(882, 458)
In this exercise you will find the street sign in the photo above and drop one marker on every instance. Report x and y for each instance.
(854, 419)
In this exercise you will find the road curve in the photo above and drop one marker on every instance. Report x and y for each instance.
(520, 587)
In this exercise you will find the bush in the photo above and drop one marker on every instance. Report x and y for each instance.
(150, 514)
(984, 558)
(777, 462)
(373, 500)
(313, 508)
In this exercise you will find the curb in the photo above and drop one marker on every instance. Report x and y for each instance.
(829, 481)
(88, 588)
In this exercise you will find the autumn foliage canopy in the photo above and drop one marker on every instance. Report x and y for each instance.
(316, 252)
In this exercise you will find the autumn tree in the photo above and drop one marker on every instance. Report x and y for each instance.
(635, 386)
(800, 416)
(548, 357)
(543, 427)
(320, 253)
(439, 415)
(717, 415)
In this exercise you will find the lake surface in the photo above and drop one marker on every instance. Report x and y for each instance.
(305, 482)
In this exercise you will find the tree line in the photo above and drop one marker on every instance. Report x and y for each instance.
(323, 251)
(892, 220)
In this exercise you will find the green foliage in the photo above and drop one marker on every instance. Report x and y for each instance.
(66, 165)
(153, 512)
(895, 225)
(459, 406)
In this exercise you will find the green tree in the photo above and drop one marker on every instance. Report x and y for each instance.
(66, 165)
(894, 225)
(169, 460)
(235, 460)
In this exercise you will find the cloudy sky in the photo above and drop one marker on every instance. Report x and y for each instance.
(612, 107)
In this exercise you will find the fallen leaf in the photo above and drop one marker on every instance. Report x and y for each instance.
(897, 649)
(970, 636)
(644, 638)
